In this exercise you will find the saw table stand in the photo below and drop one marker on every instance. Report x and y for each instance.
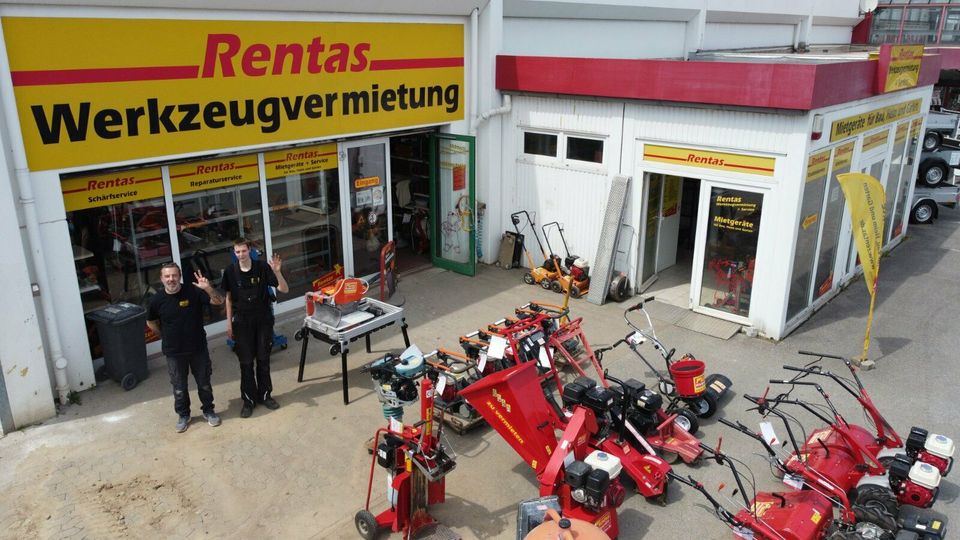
(378, 315)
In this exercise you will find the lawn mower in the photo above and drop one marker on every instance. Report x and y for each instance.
(551, 268)
(415, 458)
(858, 512)
(840, 454)
(576, 276)
(584, 478)
(689, 394)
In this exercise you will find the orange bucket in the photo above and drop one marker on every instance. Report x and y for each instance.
(688, 377)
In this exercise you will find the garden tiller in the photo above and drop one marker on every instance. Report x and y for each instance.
(689, 393)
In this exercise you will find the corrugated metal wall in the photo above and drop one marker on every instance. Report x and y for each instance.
(574, 194)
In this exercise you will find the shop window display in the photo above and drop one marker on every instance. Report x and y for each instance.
(832, 219)
(808, 229)
(730, 254)
(892, 184)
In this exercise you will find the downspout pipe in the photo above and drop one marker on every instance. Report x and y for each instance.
(32, 224)
(474, 67)
(483, 117)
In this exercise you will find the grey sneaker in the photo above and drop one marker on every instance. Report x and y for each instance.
(212, 418)
(183, 423)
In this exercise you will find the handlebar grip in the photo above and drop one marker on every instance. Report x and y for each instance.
(825, 355)
(636, 306)
(800, 369)
(754, 399)
(781, 381)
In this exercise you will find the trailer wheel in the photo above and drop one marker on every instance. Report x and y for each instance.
(923, 213)
(933, 174)
(931, 141)
(686, 419)
(878, 498)
(366, 524)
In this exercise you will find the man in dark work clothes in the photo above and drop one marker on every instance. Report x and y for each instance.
(176, 315)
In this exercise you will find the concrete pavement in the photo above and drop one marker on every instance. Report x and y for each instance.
(113, 467)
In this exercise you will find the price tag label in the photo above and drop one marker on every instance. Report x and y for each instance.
(637, 339)
(396, 426)
(796, 482)
(769, 435)
(441, 384)
(544, 360)
(482, 361)
(497, 347)
(406, 218)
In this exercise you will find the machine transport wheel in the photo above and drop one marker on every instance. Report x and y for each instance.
(528, 278)
(879, 498)
(283, 347)
(669, 457)
(366, 524)
(128, 382)
(574, 291)
(545, 283)
(335, 349)
(875, 522)
(686, 419)
(923, 212)
(299, 335)
(556, 287)
(705, 406)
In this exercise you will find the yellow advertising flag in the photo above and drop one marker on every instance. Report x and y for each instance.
(865, 196)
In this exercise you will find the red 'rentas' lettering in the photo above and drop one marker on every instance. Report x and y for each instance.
(214, 54)
(259, 59)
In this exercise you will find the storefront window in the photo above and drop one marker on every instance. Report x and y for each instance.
(654, 186)
(456, 214)
(832, 218)
(581, 149)
(886, 25)
(118, 228)
(303, 192)
(215, 202)
(730, 253)
(808, 230)
(893, 185)
(906, 177)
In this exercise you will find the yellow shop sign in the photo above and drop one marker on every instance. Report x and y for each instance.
(855, 125)
(84, 192)
(301, 160)
(721, 161)
(145, 88)
(213, 173)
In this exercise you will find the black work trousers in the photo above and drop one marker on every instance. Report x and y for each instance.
(181, 366)
(253, 338)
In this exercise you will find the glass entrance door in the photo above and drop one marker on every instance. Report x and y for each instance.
(730, 249)
(365, 170)
(452, 203)
(652, 190)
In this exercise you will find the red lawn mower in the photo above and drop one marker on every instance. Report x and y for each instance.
(688, 392)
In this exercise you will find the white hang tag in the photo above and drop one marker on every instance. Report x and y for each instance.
(637, 339)
(769, 435)
(796, 482)
(544, 360)
(406, 218)
(743, 532)
(482, 361)
(396, 426)
(441, 384)
(497, 347)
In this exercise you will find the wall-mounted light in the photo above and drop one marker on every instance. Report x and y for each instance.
(817, 131)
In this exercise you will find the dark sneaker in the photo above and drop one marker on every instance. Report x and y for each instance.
(271, 404)
(183, 423)
(247, 410)
(212, 418)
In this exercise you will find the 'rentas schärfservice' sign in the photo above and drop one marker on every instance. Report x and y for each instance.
(104, 90)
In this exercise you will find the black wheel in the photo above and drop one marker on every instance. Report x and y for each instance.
(128, 382)
(705, 405)
(299, 335)
(878, 498)
(546, 283)
(923, 213)
(366, 524)
(283, 347)
(528, 278)
(335, 348)
(686, 419)
(574, 291)
(933, 174)
(556, 286)
(872, 523)
(931, 141)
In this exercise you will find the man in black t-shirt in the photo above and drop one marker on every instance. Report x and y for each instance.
(246, 284)
(176, 315)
